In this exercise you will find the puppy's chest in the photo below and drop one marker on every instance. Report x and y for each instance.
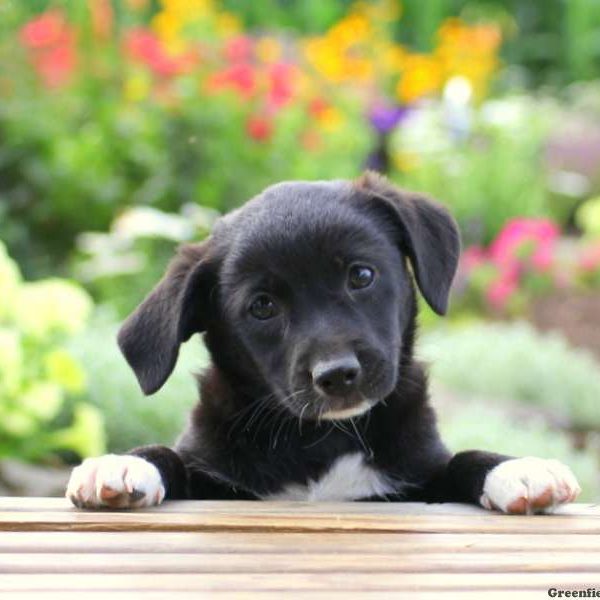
(349, 477)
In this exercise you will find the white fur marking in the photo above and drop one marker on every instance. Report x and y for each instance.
(347, 413)
(529, 485)
(348, 478)
(115, 481)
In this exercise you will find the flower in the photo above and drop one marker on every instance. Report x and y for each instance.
(385, 117)
(589, 261)
(281, 79)
(500, 291)
(52, 50)
(44, 31)
(537, 237)
(259, 128)
(240, 77)
(238, 49)
(102, 18)
(422, 75)
(143, 46)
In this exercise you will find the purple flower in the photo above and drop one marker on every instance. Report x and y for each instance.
(384, 117)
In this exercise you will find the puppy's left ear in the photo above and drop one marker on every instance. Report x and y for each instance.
(174, 310)
(427, 234)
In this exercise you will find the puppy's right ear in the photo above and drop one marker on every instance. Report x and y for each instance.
(175, 309)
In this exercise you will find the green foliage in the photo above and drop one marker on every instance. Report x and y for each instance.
(132, 419)
(487, 177)
(512, 361)
(477, 424)
(41, 383)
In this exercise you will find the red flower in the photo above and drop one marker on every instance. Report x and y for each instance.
(281, 84)
(52, 49)
(259, 128)
(238, 49)
(43, 31)
(144, 47)
(56, 65)
(240, 77)
(317, 107)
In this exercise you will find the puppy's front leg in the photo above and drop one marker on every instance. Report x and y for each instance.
(511, 485)
(144, 477)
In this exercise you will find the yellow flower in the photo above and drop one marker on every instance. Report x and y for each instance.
(330, 118)
(469, 51)
(421, 76)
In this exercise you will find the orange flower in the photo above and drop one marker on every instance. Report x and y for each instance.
(422, 75)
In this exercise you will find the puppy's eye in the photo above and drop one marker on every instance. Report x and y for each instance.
(263, 307)
(360, 276)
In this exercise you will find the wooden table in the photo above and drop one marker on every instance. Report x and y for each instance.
(285, 549)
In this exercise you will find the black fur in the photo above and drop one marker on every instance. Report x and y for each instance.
(258, 427)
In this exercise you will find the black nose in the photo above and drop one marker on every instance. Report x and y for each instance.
(337, 377)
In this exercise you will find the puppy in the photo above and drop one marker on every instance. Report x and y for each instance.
(307, 300)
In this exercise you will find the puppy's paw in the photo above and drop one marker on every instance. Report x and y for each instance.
(115, 482)
(529, 485)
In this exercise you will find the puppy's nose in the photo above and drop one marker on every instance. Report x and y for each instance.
(337, 377)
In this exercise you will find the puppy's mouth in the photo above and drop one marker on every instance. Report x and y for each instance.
(332, 408)
(355, 410)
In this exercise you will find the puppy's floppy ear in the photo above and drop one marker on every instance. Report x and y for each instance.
(428, 235)
(170, 314)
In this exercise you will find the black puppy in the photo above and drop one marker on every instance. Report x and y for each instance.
(307, 303)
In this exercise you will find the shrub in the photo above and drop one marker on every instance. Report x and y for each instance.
(41, 383)
(512, 361)
(132, 419)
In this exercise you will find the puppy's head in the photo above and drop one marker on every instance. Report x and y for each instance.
(308, 289)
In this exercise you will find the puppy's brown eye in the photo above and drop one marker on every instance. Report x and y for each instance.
(360, 276)
(263, 307)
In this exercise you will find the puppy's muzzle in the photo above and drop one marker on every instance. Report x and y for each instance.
(337, 377)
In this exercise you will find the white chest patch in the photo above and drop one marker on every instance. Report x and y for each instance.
(348, 478)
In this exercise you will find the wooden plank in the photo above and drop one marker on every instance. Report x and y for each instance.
(248, 520)
(524, 562)
(357, 583)
(268, 595)
(289, 543)
(25, 504)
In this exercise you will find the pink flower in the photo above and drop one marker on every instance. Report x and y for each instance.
(50, 41)
(145, 47)
(43, 31)
(281, 84)
(55, 66)
(500, 291)
(238, 49)
(590, 258)
(541, 234)
(240, 77)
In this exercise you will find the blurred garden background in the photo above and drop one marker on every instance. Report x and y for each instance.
(128, 126)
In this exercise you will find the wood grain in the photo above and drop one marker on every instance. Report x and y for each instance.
(241, 549)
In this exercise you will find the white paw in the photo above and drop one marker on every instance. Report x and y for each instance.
(115, 482)
(529, 485)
